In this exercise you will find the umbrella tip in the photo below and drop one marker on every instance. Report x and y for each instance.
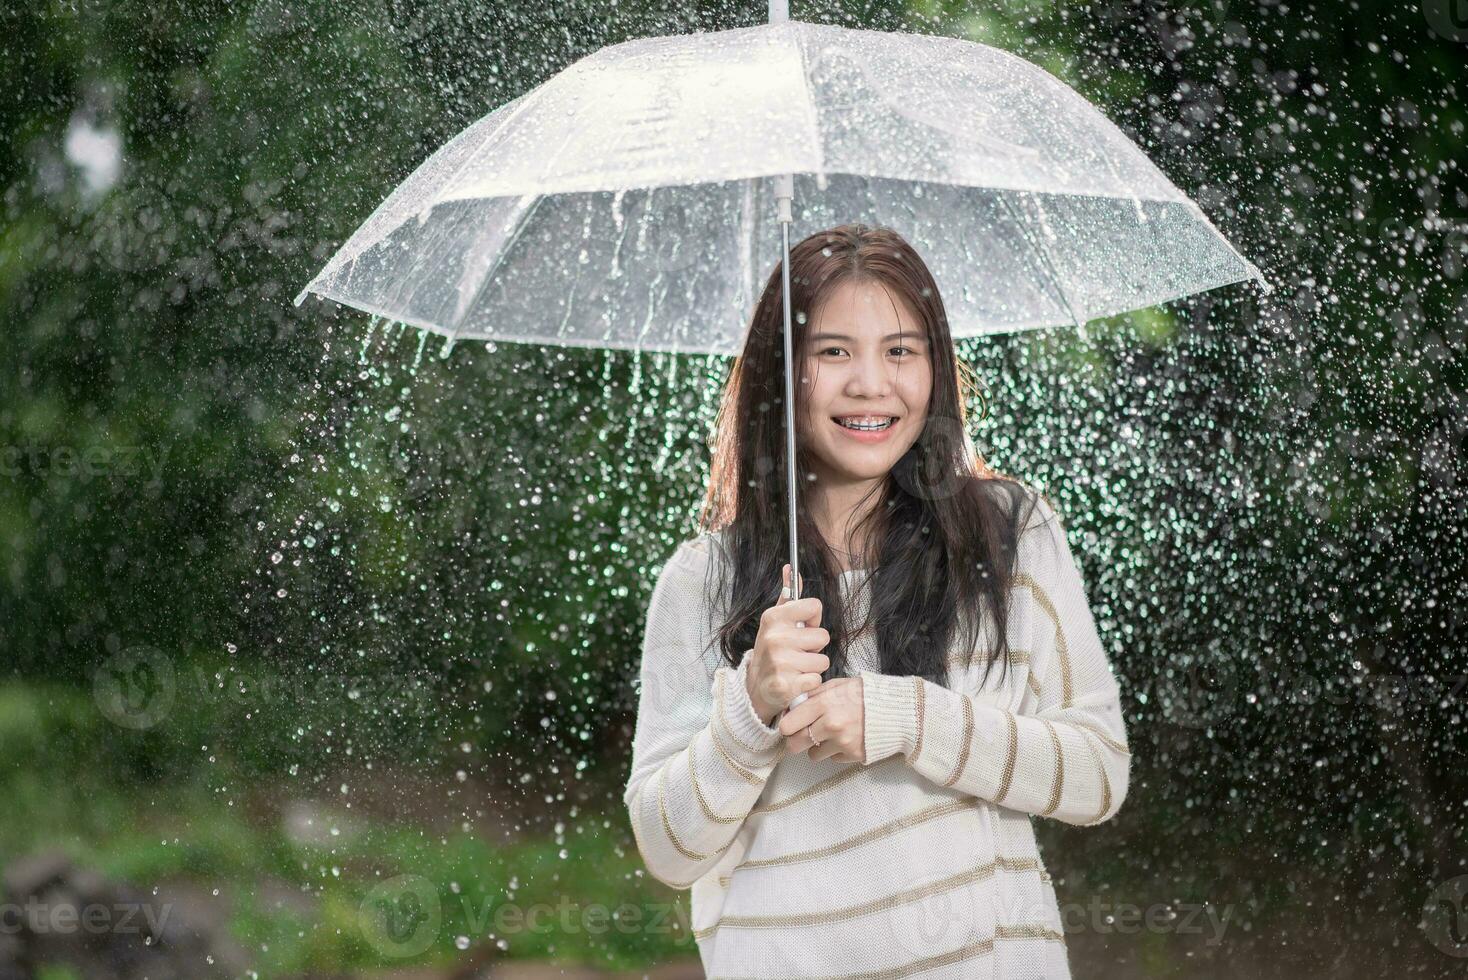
(301, 296)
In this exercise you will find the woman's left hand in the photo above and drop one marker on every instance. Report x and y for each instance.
(830, 723)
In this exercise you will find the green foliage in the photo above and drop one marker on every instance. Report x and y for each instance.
(487, 888)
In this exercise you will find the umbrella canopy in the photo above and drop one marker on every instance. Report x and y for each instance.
(629, 201)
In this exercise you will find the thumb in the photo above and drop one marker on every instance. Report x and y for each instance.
(785, 595)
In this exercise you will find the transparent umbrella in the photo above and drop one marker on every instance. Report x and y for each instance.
(632, 200)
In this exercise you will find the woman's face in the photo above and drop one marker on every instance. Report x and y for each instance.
(865, 356)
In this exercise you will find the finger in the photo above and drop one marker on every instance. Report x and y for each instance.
(781, 685)
(802, 684)
(805, 663)
(785, 593)
(804, 713)
(806, 641)
(822, 745)
(804, 612)
(846, 690)
(796, 611)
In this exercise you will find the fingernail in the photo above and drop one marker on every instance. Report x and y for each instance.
(785, 592)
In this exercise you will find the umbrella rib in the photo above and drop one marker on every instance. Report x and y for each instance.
(813, 113)
(746, 224)
(1044, 255)
(536, 94)
(345, 254)
(522, 213)
(1253, 269)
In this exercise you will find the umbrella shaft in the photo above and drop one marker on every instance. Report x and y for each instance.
(784, 201)
(784, 191)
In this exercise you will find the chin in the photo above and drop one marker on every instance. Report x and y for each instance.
(863, 469)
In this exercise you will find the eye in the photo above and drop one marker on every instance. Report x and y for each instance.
(908, 349)
(828, 350)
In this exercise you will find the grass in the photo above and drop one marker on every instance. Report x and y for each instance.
(337, 898)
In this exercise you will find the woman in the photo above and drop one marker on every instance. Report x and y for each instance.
(881, 825)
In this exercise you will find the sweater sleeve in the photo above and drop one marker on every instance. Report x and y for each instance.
(700, 754)
(1063, 753)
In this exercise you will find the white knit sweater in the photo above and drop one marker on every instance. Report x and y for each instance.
(923, 860)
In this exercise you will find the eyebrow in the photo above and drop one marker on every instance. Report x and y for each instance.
(911, 334)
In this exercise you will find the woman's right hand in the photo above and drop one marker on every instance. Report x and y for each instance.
(787, 658)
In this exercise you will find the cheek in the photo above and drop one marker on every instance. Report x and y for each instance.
(917, 390)
(810, 374)
(815, 388)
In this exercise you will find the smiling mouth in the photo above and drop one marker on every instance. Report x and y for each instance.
(865, 423)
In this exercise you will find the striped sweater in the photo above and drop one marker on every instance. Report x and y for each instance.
(922, 861)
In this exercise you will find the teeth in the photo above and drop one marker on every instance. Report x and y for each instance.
(868, 424)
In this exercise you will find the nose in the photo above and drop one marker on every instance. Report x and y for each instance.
(869, 376)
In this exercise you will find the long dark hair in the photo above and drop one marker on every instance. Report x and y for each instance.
(945, 526)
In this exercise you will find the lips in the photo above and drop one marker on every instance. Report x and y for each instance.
(865, 423)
